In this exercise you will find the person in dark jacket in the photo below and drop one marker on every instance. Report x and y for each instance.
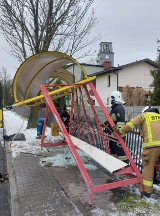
(118, 116)
(65, 116)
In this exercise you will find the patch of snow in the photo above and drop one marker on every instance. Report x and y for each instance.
(13, 123)
(134, 190)
(98, 212)
(150, 200)
(110, 212)
(156, 187)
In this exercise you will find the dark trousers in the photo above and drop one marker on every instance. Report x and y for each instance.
(116, 149)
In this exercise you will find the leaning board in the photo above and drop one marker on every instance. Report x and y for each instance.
(107, 161)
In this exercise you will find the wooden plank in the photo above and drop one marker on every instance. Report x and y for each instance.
(107, 161)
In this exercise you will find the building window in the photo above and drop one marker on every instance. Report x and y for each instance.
(109, 81)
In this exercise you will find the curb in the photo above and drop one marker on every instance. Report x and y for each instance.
(14, 195)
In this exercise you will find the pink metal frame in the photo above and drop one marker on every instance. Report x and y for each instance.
(130, 171)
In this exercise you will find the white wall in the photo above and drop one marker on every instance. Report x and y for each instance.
(136, 76)
(132, 75)
(102, 86)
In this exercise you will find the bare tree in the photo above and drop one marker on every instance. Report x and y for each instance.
(134, 96)
(32, 26)
(127, 95)
(138, 97)
(6, 83)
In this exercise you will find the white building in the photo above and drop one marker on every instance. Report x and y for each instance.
(110, 78)
(135, 74)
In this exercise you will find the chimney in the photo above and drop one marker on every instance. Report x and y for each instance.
(107, 64)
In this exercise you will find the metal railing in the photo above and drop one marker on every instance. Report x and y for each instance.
(133, 141)
(134, 144)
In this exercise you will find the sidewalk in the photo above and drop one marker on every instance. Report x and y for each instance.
(37, 190)
(4, 185)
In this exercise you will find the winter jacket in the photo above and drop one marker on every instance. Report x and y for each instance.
(118, 113)
(149, 124)
(65, 117)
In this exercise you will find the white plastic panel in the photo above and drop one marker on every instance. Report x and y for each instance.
(107, 161)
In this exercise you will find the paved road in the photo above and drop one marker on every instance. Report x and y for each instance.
(4, 187)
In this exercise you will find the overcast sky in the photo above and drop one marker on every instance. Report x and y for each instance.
(133, 27)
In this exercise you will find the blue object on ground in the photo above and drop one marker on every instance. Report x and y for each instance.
(40, 123)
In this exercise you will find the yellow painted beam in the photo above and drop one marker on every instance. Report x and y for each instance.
(57, 91)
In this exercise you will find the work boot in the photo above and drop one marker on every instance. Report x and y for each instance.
(148, 195)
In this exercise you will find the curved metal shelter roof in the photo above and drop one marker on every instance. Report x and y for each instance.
(37, 69)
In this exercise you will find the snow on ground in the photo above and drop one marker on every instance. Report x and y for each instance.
(13, 123)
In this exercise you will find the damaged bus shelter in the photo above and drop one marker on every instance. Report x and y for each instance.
(32, 87)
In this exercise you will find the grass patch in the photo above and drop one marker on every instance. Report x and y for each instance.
(127, 202)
